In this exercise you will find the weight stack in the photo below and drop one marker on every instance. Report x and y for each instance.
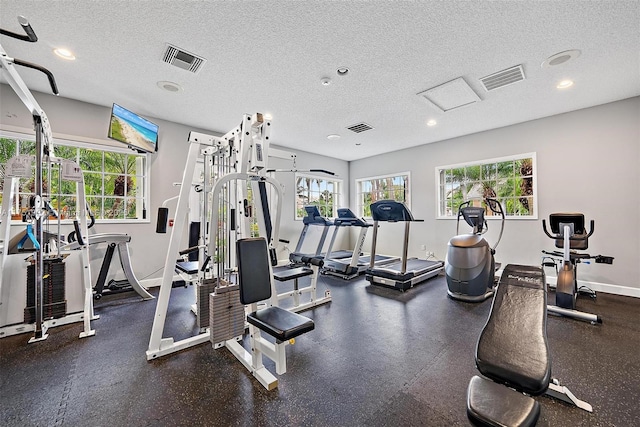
(204, 289)
(227, 314)
(54, 303)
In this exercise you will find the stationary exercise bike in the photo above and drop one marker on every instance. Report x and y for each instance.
(470, 265)
(569, 232)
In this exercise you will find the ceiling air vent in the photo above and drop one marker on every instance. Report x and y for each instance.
(359, 128)
(183, 59)
(503, 78)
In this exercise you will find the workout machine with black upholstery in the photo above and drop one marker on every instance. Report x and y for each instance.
(254, 285)
(513, 354)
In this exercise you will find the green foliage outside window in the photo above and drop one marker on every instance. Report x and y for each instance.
(508, 180)
(313, 191)
(114, 181)
(371, 190)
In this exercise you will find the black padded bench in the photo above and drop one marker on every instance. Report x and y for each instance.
(292, 274)
(254, 280)
(280, 323)
(512, 351)
(187, 267)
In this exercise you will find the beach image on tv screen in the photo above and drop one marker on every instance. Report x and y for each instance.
(132, 129)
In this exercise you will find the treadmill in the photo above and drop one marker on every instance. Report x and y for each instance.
(407, 272)
(314, 219)
(353, 266)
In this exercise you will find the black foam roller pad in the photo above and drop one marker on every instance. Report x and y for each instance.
(163, 216)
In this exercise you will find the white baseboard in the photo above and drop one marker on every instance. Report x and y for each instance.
(604, 287)
(596, 286)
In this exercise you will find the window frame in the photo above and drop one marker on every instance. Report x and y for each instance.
(495, 160)
(337, 193)
(77, 142)
(359, 192)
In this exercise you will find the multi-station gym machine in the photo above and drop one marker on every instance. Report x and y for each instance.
(44, 263)
(238, 203)
(47, 295)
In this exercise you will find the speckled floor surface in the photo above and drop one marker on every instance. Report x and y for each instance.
(377, 357)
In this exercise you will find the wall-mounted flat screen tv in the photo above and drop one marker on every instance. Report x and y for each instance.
(131, 129)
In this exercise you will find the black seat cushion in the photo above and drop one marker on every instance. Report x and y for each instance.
(512, 348)
(188, 267)
(492, 404)
(292, 273)
(280, 323)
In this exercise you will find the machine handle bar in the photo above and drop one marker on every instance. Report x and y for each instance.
(189, 250)
(30, 36)
(26, 27)
(492, 203)
(460, 206)
(49, 74)
(592, 228)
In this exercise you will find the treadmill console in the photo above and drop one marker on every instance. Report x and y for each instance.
(346, 217)
(391, 211)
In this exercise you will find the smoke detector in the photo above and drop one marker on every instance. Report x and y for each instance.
(182, 59)
(169, 86)
(560, 58)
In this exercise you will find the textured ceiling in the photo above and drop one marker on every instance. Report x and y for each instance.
(271, 56)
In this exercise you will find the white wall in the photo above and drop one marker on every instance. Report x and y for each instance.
(92, 121)
(587, 161)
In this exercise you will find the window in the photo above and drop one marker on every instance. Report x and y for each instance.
(388, 187)
(321, 192)
(511, 180)
(115, 179)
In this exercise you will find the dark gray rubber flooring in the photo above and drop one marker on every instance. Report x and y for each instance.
(377, 357)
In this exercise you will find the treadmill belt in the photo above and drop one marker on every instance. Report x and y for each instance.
(367, 259)
(415, 267)
(340, 254)
(297, 257)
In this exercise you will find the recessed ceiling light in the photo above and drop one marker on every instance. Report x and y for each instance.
(326, 81)
(432, 123)
(560, 58)
(64, 53)
(358, 143)
(169, 86)
(342, 71)
(565, 84)
(268, 116)
(333, 136)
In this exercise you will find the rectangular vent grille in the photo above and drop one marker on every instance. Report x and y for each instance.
(359, 128)
(182, 59)
(503, 78)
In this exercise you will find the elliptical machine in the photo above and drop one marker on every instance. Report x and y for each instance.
(570, 234)
(470, 265)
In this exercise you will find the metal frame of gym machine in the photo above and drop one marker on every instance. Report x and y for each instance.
(44, 153)
(241, 155)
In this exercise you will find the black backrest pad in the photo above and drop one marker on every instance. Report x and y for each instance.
(254, 275)
(512, 348)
